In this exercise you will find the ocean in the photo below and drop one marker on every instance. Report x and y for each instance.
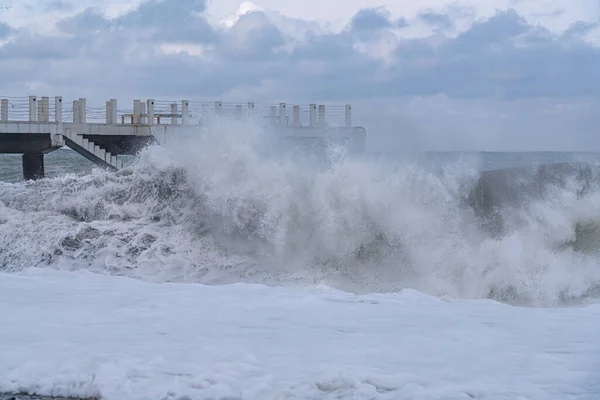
(210, 270)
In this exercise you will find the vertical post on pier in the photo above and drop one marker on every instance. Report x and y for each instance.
(137, 111)
(4, 110)
(296, 116)
(348, 117)
(205, 114)
(46, 108)
(238, 112)
(113, 111)
(40, 110)
(174, 113)
(107, 111)
(58, 109)
(251, 109)
(32, 108)
(321, 115)
(150, 107)
(218, 111)
(185, 112)
(75, 111)
(272, 114)
(43, 114)
(82, 110)
(282, 114)
(313, 114)
(142, 112)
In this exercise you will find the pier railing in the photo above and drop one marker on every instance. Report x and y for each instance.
(151, 111)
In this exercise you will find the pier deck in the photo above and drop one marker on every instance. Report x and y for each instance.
(32, 127)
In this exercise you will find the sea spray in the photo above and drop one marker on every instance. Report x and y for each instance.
(228, 206)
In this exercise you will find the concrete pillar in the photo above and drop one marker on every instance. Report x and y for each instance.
(44, 109)
(282, 114)
(251, 109)
(113, 111)
(296, 116)
(205, 114)
(348, 117)
(75, 111)
(40, 110)
(238, 112)
(313, 114)
(321, 115)
(32, 108)
(4, 110)
(58, 109)
(33, 166)
(150, 107)
(218, 108)
(137, 110)
(107, 111)
(142, 112)
(174, 113)
(185, 112)
(82, 110)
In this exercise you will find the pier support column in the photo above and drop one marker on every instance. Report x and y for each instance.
(33, 166)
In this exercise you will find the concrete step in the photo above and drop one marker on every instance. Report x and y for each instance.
(94, 152)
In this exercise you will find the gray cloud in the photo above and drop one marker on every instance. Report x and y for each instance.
(503, 57)
(5, 30)
(499, 61)
(371, 19)
(437, 20)
(58, 5)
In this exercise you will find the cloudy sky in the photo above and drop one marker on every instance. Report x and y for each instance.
(427, 74)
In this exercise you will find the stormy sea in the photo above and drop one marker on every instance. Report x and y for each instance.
(221, 250)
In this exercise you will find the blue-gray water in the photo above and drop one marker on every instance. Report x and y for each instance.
(66, 161)
(436, 222)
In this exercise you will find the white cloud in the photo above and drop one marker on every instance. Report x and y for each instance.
(461, 75)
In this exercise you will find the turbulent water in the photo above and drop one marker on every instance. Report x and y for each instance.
(217, 209)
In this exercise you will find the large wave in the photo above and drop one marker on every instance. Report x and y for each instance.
(225, 206)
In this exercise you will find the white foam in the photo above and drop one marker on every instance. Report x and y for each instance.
(216, 209)
(82, 334)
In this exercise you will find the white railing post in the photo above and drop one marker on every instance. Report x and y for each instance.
(348, 117)
(150, 107)
(82, 110)
(142, 112)
(43, 114)
(174, 113)
(185, 112)
(58, 109)
(46, 113)
(251, 109)
(40, 110)
(282, 114)
(137, 110)
(313, 114)
(206, 117)
(218, 108)
(75, 111)
(4, 110)
(32, 108)
(321, 115)
(113, 111)
(272, 114)
(238, 112)
(107, 112)
(296, 116)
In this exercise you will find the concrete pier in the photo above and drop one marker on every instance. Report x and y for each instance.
(35, 126)
(33, 166)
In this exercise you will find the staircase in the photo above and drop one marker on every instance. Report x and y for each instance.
(91, 151)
